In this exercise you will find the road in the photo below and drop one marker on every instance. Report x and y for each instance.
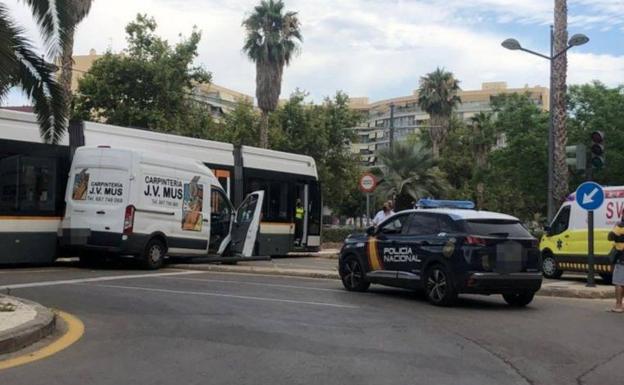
(191, 327)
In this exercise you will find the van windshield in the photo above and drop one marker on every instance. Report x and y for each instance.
(496, 228)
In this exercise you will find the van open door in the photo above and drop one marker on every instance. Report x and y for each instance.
(246, 224)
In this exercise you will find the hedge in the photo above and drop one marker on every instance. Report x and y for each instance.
(338, 234)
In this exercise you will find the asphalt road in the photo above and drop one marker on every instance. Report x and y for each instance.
(177, 327)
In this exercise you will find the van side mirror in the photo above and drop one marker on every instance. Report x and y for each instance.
(370, 230)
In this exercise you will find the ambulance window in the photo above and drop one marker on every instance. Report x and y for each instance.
(560, 224)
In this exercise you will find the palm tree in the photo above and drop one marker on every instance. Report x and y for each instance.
(271, 42)
(409, 173)
(482, 138)
(22, 66)
(560, 168)
(77, 10)
(437, 95)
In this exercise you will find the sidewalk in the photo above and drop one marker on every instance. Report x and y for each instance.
(23, 323)
(325, 265)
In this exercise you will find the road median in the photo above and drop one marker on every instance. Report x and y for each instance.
(23, 323)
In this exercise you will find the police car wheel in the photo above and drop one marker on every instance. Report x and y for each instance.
(439, 287)
(352, 275)
(153, 255)
(549, 267)
(519, 299)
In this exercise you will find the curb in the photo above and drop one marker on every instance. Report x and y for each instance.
(545, 291)
(30, 332)
(322, 274)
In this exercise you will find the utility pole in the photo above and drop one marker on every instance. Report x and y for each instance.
(391, 126)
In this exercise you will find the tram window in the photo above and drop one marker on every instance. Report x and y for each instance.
(278, 201)
(28, 185)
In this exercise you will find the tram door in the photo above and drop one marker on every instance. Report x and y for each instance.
(302, 207)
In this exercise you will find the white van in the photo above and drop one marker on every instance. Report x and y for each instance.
(128, 202)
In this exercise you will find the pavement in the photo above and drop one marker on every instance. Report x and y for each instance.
(23, 323)
(325, 265)
(193, 326)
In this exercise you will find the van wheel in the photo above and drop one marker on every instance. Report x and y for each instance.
(519, 299)
(439, 286)
(549, 267)
(153, 255)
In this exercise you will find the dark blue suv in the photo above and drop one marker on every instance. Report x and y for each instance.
(445, 252)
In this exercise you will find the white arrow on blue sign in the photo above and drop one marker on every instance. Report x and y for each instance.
(590, 196)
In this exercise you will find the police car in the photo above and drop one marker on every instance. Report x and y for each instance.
(445, 248)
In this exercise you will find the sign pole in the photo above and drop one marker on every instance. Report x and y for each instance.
(590, 247)
(367, 209)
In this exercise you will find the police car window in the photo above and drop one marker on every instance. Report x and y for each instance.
(423, 225)
(497, 227)
(560, 224)
(394, 225)
(447, 225)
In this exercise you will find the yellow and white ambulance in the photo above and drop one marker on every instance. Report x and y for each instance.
(564, 245)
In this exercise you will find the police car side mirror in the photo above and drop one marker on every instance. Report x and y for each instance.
(370, 230)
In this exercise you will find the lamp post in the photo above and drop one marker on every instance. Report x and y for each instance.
(514, 45)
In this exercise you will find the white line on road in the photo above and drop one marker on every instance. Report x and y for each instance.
(211, 294)
(95, 279)
(257, 284)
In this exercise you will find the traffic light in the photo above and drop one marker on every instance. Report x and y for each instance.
(576, 156)
(597, 158)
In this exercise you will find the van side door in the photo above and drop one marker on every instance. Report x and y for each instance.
(221, 211)
(246, 225)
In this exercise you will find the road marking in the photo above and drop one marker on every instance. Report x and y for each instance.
(257, 284)
(212, 294)
(95, 279)
(75, 330)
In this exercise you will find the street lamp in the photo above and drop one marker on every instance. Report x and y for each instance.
(514, 45)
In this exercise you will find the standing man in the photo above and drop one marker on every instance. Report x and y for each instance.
(617, 236)
(299, 215)
(382, 214)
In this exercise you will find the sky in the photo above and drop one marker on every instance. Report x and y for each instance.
(373, 48)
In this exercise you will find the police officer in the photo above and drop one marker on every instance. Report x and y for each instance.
(299, 215)
(617, 237)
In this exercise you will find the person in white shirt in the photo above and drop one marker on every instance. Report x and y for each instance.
(384, 213)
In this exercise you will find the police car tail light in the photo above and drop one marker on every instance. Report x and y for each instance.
(129, 220)
(475, 241)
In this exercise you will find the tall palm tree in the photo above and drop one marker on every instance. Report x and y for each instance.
(271, 42)
(437, 95)
(560, 168)
(409, 173)
(482, 138)
(77, 10)
(22, 66)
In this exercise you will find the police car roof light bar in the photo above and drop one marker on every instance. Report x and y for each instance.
(448, 204)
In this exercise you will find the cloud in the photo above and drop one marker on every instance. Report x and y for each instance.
(375, 48)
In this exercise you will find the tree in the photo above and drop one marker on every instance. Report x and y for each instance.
(239, 126)
(22, 66)
(482, 138)
(596, 107)
(270, 43)
(149, 87)
(437, 95)
(409, 173)
(77, 10)
(560, 168)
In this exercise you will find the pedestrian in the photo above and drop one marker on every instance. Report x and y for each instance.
(299, 216)
(617, 259)
(382, 214)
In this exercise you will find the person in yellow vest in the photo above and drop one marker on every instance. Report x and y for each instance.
(617, 237)
(299, 215)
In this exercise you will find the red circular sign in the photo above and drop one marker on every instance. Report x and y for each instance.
(368, 183)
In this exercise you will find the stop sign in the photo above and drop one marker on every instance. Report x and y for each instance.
(368, 183)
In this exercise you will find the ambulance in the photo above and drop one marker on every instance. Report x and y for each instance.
(149, 205)
(564, 245)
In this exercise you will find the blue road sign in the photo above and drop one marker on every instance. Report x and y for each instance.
(590, 196)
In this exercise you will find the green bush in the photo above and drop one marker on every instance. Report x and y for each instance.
(338, 234)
